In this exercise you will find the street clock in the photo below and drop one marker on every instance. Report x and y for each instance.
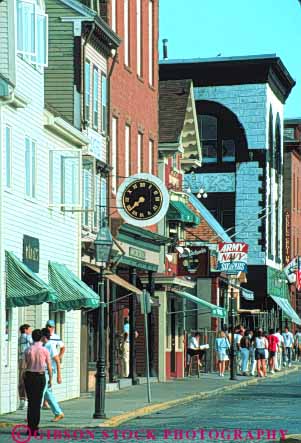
(142, 200)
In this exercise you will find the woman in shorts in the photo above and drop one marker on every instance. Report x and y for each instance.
(221, 346)
(261, 344)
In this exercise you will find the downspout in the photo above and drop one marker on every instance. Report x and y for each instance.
(108, 144)
(84, 122)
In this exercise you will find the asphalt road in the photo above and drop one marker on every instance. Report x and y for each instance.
(256, 413)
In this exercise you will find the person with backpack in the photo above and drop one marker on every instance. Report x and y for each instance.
(222, 345)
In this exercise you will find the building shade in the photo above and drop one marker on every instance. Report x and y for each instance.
(23, 286)
(178, 211)
(287, 308)
(72, 292)
(216, 311)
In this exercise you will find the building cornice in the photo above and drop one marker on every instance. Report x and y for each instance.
(60, 127)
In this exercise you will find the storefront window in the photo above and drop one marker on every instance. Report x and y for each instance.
(7, 337)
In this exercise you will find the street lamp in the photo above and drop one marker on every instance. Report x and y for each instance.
(231, 324)
(103, 248)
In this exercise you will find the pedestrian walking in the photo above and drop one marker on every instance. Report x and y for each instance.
(56, 370)
(288, 341)
(273, 344)
(37, 358)
(297, 342)
(125, 352)
(279, 351)
(244, 352)
(252, 361)
(58, 346)
(222, 346)
(25, 341)
(261, 345)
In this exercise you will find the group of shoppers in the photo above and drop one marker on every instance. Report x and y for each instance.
(257, 350)
(40, 355)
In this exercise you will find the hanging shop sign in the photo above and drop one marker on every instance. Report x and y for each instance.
(31, 252)
(290, 270)
(232, 257)
(287, 237)
(142, 200)
(195, 263)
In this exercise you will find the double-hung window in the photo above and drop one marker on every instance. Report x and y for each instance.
(32, 32)
(30, 167)
(114, 153)
(103, 103)
(126, 41)
(150, 43)
(8, 156)
(87, 89)
(95, 97)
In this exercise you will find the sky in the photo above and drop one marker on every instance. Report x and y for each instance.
(206, 28)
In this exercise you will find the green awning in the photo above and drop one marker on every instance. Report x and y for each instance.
(287, 308)
(73, 293)
(216, 311)
(23, 286)
(178, 211)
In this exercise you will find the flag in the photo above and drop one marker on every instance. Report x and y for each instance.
(298, 274)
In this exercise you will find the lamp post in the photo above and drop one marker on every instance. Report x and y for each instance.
(103, 248)
(231, 324)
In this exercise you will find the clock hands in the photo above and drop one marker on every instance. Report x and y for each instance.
(137, 203)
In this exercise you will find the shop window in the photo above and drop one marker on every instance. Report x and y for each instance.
(7, 337)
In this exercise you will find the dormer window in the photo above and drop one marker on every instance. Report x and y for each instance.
(32, 32)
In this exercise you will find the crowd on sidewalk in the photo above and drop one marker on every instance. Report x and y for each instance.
(258, 351)
(40, 355)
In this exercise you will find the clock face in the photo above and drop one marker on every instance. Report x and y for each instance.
(142, 199)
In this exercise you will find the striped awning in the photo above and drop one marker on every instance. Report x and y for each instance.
(287, 308)
(72, 292)
(216, 311)
(23, 286)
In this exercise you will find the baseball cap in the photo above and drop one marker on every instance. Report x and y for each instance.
(50, 323)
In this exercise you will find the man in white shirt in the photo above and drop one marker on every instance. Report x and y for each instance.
(278, 356)
(194, 347)
(55, 339)
(58, 347)
(288, 341)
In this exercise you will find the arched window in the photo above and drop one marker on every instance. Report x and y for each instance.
(221, 134)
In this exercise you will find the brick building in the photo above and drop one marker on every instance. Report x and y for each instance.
(292, 199)
(239, 102)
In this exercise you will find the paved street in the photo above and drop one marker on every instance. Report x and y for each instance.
(273, 404)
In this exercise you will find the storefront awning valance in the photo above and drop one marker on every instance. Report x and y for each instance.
(23, 286)
(287, 308)
(216, 311)
(114, 278)
(178, 211)
(72, 292)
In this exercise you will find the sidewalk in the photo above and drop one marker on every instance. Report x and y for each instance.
(127, 404)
